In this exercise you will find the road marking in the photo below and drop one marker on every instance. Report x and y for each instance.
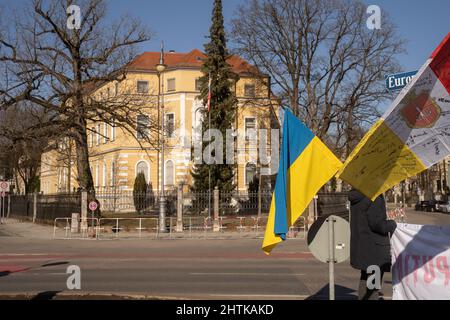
(245, 274)
(22, 254)
(301, 296)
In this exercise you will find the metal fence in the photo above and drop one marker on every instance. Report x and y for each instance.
(21, 207)
(191, 227)
(244, 203)
(59, 205)
(125, 201)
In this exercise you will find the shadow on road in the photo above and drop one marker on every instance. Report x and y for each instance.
(57, 263)
(45, 295)
(341, 293)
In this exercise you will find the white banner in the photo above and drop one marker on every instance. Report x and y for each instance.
(420, 262)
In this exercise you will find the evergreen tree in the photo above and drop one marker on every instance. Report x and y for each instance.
(139, 192)
(222, 109)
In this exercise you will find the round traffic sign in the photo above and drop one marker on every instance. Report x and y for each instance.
(319, 242)
(3, 185)
(93, 205)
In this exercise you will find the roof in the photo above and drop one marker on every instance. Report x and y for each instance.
(192, 59)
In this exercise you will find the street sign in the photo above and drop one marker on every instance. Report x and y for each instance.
(398, 81)
(93, 205)
(318, 242)
(4, 186)
(329, 241)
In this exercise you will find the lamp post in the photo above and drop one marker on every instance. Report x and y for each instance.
(160, 67)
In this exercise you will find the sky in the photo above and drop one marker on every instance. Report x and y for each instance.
(183, 24)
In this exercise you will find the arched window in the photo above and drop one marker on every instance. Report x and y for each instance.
(142, 166)
(169, 173)
(250, 172)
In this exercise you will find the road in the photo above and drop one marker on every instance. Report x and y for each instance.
(192, 269)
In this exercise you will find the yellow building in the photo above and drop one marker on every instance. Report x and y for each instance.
(116, 155)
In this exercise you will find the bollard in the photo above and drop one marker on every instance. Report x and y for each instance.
(179, 226)
(34, 207)
(84, 225)
(9, 205)
(216, 225)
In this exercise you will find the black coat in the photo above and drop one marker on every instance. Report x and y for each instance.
(370, 229)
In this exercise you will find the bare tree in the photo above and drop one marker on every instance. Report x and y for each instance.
(68, 72)
(324, 61)
(24, 153)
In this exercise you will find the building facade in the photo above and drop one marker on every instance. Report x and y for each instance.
(117, 155)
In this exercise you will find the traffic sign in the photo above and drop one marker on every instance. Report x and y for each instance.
(397, 81)
(4, 186)
(93, 205)
(329, 241)
(318, 239)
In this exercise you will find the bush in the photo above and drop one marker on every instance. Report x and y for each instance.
(139, 192)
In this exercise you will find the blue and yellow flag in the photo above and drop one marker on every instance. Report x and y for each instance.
(306, 164)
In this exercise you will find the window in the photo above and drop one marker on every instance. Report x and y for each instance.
(142, 86)
(169, 173)
(112, 179)
(250, 127)
(98, 133)
(142, 166)
(116, 92)
(250, 172)
(170, 124)
(142, 122)
(171, 84)
(104, 175)
(105, 132)
(198, 84)
(97, 174)
(113, 130)
(92, 136)
(249, 90)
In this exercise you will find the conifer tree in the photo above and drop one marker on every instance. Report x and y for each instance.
(221, 114)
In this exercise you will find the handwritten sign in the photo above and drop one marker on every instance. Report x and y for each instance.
(420, 262)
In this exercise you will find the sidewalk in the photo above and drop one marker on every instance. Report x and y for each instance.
(16, 228)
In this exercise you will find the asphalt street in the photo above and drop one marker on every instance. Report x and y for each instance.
(33, 267)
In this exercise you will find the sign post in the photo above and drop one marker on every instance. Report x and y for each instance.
(4, 188)
(329, 241)
(93, 206)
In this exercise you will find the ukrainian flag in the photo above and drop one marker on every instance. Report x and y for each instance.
(306, 164)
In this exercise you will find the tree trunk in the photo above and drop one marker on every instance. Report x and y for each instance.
(84, 169)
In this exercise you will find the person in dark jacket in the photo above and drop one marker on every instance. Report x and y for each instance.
(369, 239)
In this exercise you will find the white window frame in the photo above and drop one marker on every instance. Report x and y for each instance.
(174, 85)
(113, 130)
(97, 175)
(105, 132)
(137, 86)
(105, 172)
(166, 171)
(98, 133)
(112, 179)
(254, 90)
(148, 170)
(148, 123)
(245, 172)
(165, 124)
(245, 126)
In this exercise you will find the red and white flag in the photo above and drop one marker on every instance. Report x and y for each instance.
(209, 93)
(412, 135)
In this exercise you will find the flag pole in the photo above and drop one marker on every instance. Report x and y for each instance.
(209, 128)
